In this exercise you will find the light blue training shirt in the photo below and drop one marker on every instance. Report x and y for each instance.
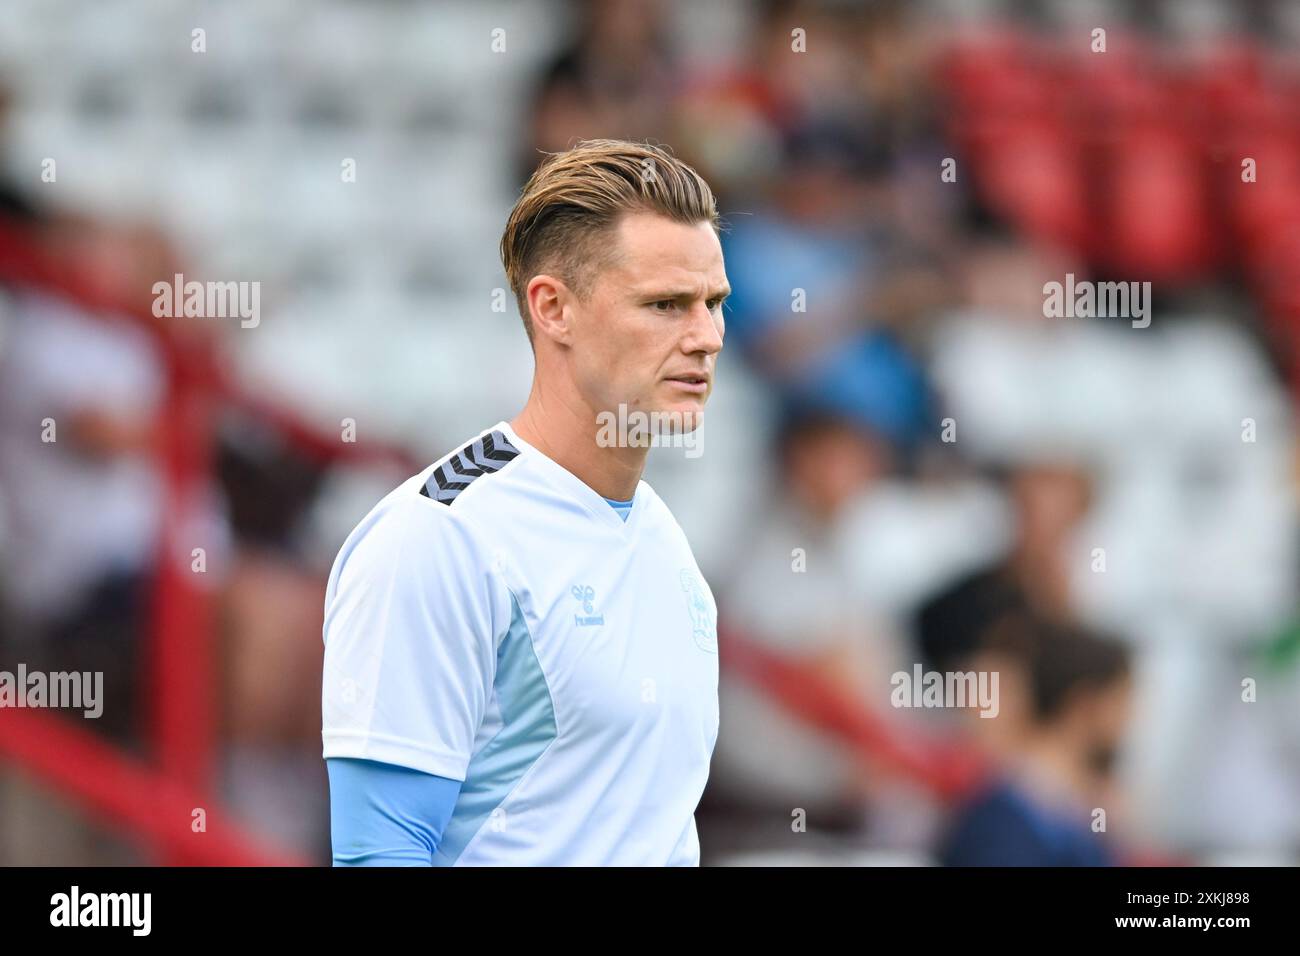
(385, 815)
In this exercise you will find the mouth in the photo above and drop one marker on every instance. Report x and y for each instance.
(698, 384)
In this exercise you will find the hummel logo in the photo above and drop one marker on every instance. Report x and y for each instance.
(585, 595)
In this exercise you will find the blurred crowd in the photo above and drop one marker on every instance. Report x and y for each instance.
(941, 474)
(1104, 515)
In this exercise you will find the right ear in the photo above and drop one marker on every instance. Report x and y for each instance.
(548, 299)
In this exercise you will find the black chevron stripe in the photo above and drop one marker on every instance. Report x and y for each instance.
(445, 482)
(461, 464)
(507, 452)
(484, 456)
(475, 455)
(447, 496)
(487, 455)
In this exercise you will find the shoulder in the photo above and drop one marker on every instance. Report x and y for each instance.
(431, 514)
(469, 470)
(413, 567)
(404, 524)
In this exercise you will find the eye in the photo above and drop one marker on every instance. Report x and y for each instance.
(714, 304)
(669, 303)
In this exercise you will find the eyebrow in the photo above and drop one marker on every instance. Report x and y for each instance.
(657, 296)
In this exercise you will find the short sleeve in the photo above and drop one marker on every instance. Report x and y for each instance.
(410, 644)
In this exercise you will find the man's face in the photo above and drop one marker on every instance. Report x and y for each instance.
(649, 332)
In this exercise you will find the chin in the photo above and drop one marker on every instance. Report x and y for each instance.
(682, 418)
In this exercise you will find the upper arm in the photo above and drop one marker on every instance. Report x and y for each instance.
(385, 815)
(410, 646)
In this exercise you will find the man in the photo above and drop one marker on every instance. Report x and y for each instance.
(520, 651)
(1067, 696)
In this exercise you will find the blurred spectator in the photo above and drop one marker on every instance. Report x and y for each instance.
(1065, 694)
(16, 205)
(800, 263)
(81, 508)
(1188, 546)
(271, 615)
(83, 512)
(1049, 501)
(789, 592)
(615, 78)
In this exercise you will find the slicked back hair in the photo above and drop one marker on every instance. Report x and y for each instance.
(563, 221)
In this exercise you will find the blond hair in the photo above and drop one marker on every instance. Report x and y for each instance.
(561, 222)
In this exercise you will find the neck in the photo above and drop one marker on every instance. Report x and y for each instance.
(1052, 765)
(565, 432)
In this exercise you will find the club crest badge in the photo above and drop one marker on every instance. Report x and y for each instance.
(704, 625)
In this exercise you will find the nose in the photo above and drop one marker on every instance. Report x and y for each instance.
(704, 332)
